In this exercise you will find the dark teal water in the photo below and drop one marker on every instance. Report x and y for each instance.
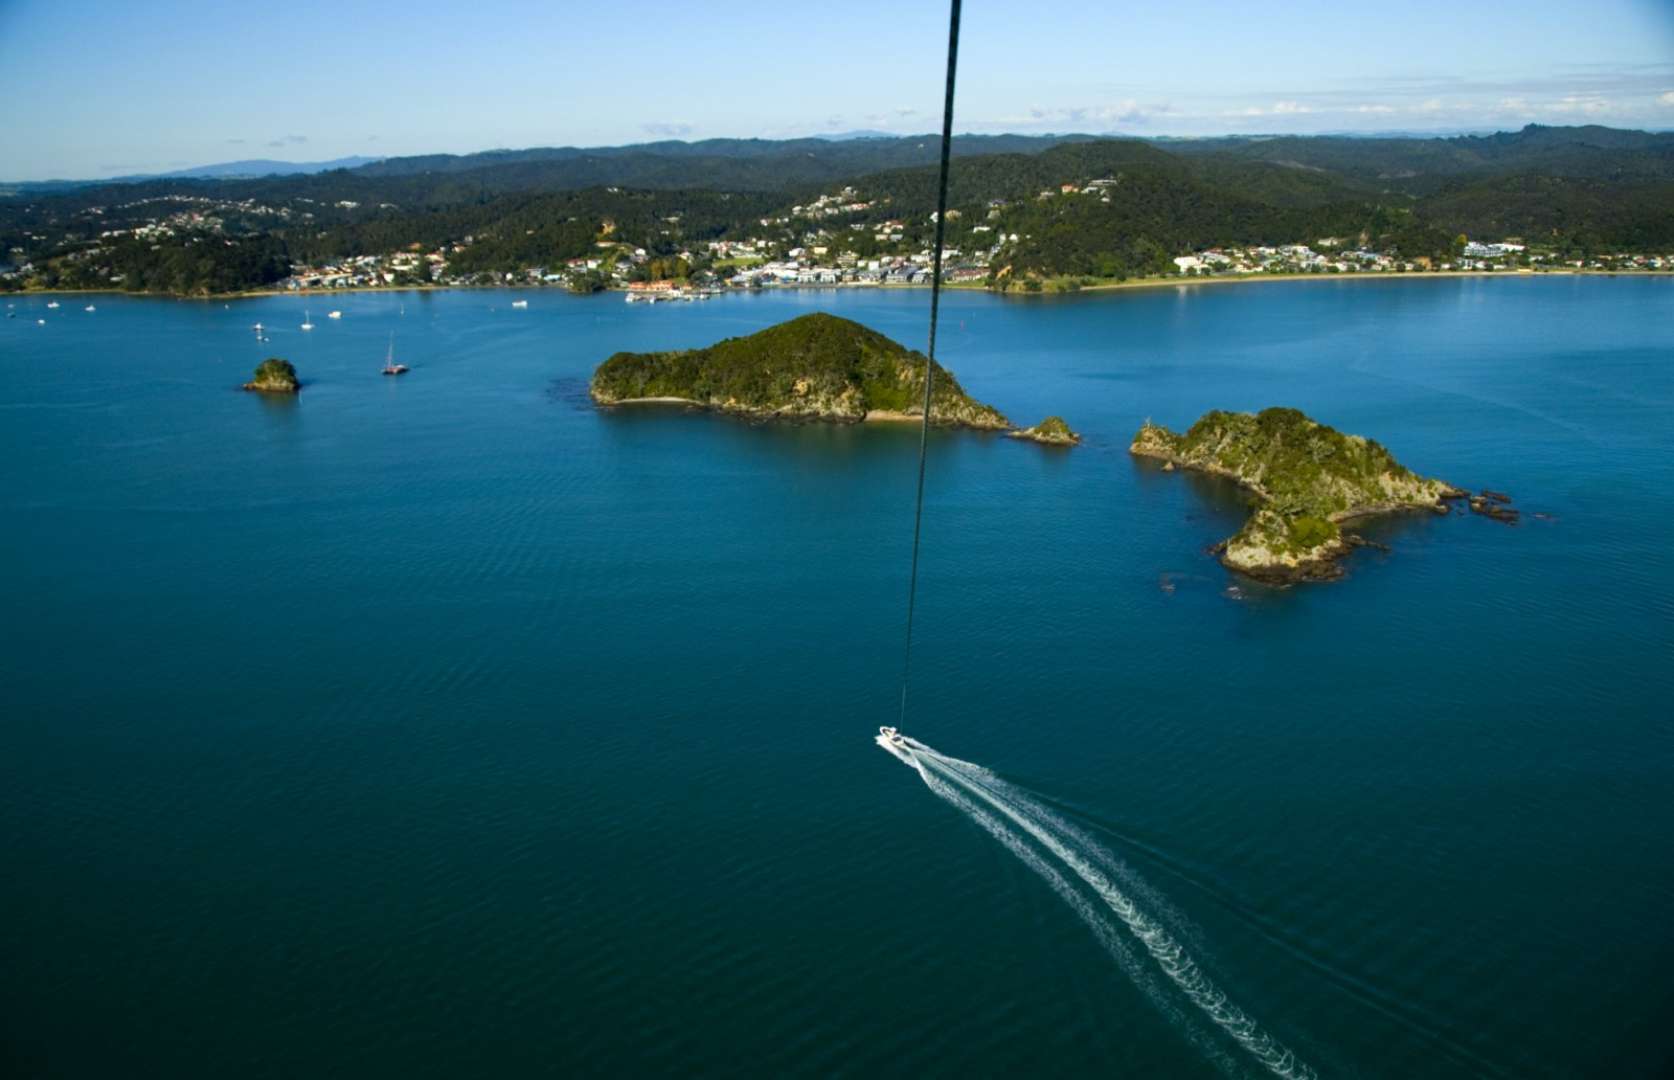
(443, 726)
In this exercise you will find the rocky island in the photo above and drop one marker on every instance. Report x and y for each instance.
(274, 376)
(814, 367)
(1307, 479)
(1052, 432)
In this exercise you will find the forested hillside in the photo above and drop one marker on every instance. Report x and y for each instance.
(1135, 205)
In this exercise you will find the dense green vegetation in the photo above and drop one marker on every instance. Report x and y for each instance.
(274, 375)
(1579, 192)
(195, 265)
(814, 365)
(1306, 476)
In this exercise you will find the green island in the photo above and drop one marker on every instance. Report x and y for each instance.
(1307, 479)
(814, 367)
(1052, 431)
(274, 376)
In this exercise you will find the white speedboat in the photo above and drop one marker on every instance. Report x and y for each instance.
(520, 303)
(52, 304)
(90, 307)
(896, 743)
(334, 314)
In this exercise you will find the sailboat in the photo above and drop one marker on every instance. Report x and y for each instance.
(307, 324)
(390, 366)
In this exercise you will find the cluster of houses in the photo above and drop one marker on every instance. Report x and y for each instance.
(361, 271)
(1283, 259)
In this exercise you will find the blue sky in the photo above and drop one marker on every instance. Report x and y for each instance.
(99, 89)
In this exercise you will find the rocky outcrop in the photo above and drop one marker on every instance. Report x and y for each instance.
(274, 376)
(816, 367)
(1495, 505)
(1307, 479)
(1052, 431)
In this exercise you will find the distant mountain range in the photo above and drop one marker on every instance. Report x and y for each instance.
(248, 169)
(255, 167)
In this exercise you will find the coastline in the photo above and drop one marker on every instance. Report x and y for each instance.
(875, 416)
(1102, 286)
(1415, 275)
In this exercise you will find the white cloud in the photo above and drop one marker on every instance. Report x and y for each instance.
(1279, 108)
(1587, 105)
(1126, 113)
(666, 130)
(1666, 99)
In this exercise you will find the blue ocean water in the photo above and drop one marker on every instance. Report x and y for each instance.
(446, 726)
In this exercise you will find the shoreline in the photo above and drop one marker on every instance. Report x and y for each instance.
(874, 416)
(1414, 275)
(1103, 286)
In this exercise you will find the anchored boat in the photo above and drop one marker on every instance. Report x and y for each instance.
(390, 366)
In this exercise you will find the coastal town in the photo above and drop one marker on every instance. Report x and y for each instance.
(845, 237)
(722, 265)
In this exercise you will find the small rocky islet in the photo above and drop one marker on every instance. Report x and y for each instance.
(1307, 479)
(814, 367)
(274, 376)
(1052, 431)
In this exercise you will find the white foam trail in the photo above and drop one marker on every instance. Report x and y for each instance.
(1103, 929)
(1082, 855)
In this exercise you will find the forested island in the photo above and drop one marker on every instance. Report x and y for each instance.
(1307, 479)
(814, 367)
(274, 376)
(1028, 213)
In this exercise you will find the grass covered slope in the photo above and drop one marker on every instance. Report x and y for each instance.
(1307, 478)
(812, 367)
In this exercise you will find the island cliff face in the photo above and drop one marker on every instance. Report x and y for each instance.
(274, 376)
(815, 367)
(1307, 479)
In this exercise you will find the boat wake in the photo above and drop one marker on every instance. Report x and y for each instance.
(1059, 852)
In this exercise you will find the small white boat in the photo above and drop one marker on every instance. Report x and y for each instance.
(40, 322)
(334, 314)
(258, 329)
(90, 307)
(893, 741)
(307, 323)
(52, 304)
(520, 303)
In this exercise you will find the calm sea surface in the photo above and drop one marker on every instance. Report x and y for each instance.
(445, 726)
